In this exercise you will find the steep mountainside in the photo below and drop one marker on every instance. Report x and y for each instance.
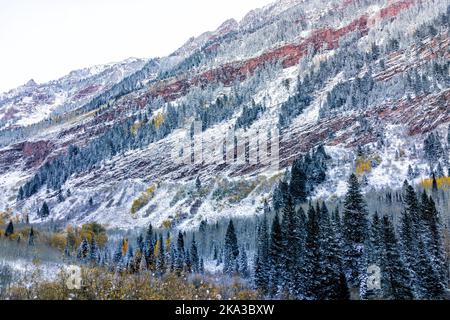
(32, 103)
(366, 79)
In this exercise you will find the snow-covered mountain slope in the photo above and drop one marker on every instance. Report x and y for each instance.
(32, 102)
(369, 80)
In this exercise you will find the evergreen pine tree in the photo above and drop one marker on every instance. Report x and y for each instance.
(128, 260)
(66, 251)
(194, 257)
(279, 195)
(395, 277)
(83, 251)
(439, 170)
(355, 226)
(430, 285)
(161, 257)
(262, 264)
(409, 229)
(198, 183)
(143, 264)
(140, 242)
(375, 240)
(202, 267)
(312, 255)
(117, 256)
(375, 251)
(243, 264)
(411, 173)
(172, 258)
(297, 186)
(433, 238)
(330, 260)
(187, 262)
(291, 246)
(45, 211)
(31, 237)
(434, 187)
(20, 194)
(179, 259)
(231, 250)
(343, 291)
(275, 257)
(93, 252)
(9, 229)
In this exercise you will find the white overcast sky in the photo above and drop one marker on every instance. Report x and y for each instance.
(45, 39)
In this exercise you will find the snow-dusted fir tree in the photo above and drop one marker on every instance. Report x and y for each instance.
(293, 228)
(433, 238)
(143, 264)
(331, 263)
(83, 250)
(375, 251)
(161, 256)
(194, 256)
(297, 186)
(275, 257)
(279, 194)
(231, 250)
(128, 260)
(312, 255)
(117, 256)
(395, 276)
(355, 232)
(262, 263)
(429, 283)
(31, 237)
(432, 148)
(202, 266)
(45, 211)
(439, 170)
(94, 251)
(409, 229)
(9, 229)
(179, 258)
(243, 263)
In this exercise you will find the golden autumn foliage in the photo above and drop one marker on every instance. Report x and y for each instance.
(167, 224)
(6, 216)
(74, 235)
(168, 241)
(442, 183)
(135, 127)
(96, 230)
(142, 200)
(72, 238)
(100, 284)
(158, 120)
(363, 165)
(58, 240)
(124, 246)
(156, 250)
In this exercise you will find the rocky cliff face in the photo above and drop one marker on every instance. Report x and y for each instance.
(32, 102)
(367, 79)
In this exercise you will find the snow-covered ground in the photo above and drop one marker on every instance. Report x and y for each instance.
(25, 271)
